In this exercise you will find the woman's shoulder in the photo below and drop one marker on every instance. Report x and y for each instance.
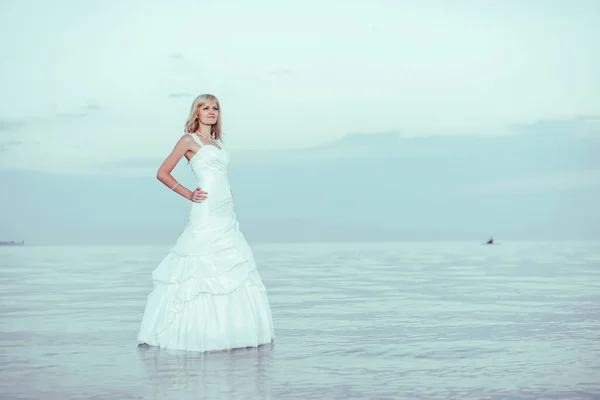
(186, 142)
(186, 138)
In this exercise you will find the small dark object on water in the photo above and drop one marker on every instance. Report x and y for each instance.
(490, 241)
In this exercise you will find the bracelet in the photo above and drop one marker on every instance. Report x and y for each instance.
(175, 185)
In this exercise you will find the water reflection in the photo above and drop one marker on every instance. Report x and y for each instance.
(235, 374)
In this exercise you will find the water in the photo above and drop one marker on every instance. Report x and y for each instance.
(364, 321)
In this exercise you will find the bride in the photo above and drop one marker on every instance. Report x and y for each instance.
(207, 292)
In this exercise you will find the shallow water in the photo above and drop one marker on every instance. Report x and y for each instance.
(366, 321)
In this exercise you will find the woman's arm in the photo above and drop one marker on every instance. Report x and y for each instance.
(184, 144)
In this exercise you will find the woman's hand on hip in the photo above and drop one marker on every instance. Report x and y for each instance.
(199, 195)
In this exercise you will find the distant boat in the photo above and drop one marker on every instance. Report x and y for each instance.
(13, 243)
(490, 241)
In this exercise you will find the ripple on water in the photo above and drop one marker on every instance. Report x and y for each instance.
(371, 320)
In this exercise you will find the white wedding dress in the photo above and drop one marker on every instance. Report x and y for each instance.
(207, 292)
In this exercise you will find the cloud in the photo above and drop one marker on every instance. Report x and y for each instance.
(532, 185)
(179, 95)
(13, 143)
(77, 115)
(11, 125)
(587, 125)
(544, 182)
(567, 136)
(4, 145)
(8, 128)
(72, 115)
(181, 66)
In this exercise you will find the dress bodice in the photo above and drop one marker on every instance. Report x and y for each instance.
(209, 159)
(210, 165)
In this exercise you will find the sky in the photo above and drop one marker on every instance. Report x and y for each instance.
(99, 91)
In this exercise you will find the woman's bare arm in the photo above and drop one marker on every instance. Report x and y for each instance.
(183, 145)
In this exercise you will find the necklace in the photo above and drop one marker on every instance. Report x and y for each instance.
(205, 137)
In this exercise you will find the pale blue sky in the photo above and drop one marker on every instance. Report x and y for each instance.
(501, 95)
(99, 81)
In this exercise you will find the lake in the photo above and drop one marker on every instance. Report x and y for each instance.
(436, 320)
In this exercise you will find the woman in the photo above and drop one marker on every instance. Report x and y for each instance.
(207, 292)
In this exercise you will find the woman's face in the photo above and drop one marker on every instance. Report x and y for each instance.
(208, 113)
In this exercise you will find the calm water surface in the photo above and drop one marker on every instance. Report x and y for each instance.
(364, 321)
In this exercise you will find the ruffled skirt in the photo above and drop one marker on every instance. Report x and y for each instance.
(207, 296)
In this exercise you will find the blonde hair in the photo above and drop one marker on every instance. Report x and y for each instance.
(193, 123)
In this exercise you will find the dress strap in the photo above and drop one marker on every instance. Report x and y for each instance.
(196, 139)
